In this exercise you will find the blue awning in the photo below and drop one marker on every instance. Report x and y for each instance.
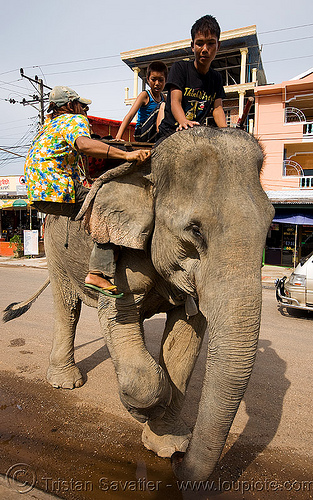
(298, 219)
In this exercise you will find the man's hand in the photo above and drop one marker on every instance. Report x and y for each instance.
(98, 149)
(178, 112)
(139, 155)
(186, 124)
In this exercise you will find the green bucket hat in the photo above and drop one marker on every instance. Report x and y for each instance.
(61, 95)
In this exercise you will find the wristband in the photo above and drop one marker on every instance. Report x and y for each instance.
(108, 152)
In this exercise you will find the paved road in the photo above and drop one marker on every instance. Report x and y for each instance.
(86, 435)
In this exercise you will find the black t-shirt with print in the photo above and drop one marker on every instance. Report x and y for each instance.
(199, 93)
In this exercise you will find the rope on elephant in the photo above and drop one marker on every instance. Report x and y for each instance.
(113, 173)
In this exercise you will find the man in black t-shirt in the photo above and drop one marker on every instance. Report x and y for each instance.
(195, 90)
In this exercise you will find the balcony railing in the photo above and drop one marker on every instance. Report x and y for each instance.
(306, 182)
(291, 167)
(294, 115)
(308, 129)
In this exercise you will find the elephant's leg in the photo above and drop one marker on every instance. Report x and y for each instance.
(62, 371)
(143, 385)
(181, 344)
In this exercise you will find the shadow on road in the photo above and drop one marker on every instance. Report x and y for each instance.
(294, 313)
(87, 364)
(264, 405)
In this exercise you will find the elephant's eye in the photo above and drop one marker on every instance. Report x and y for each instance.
(195, 230)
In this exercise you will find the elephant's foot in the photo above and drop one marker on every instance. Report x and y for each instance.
(165, 440)
(64, 378)
(144, 403)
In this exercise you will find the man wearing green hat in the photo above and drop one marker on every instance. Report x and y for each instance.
(52, 171)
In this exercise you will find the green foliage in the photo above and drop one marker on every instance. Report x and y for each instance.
(17, 245)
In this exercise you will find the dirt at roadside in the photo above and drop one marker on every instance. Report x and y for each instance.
(78, 452)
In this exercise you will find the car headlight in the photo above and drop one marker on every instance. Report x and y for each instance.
(297, 279)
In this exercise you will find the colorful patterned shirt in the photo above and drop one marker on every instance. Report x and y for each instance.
(52, 161)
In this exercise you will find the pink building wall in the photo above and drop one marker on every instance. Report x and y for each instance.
(272, 131)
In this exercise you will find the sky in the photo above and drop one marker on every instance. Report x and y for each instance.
(78, 44)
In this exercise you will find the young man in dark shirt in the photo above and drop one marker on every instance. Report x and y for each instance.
(195, 90)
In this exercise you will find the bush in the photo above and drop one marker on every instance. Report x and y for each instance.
(17, 245)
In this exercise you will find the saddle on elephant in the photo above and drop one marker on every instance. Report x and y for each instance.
(117, 210)
(97, 166)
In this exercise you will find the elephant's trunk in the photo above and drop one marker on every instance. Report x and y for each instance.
(233, 321)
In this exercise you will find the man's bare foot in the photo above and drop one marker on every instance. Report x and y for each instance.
(99, 281)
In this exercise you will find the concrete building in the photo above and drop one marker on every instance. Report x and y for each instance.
(238, 61)
(284, 126)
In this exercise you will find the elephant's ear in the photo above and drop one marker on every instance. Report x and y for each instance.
(122, 212)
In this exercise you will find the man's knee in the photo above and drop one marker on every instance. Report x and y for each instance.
(58, 209)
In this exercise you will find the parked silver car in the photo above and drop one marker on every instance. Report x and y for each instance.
(297, 291)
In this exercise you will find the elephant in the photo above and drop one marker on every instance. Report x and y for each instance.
(190, 228)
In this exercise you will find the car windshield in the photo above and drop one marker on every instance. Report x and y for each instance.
(304, 259)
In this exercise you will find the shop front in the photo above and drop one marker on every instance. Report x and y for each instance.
(16, 214)
(290, 237)
(14, 220)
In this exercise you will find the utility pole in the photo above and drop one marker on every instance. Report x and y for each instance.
(41, 99)
(42, 110)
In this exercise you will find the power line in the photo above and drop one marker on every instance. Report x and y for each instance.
(107, 81)
(12, 153)
(118, 55)
(221, 54)
(13, 90)
(122, 66)
(85, 69)
(12, 128)
(285, 29)
(13, 84)
(16, 147)
(290, 40)
(287, 59)
(39, 86)
(72, 62)
(129, 79)
(20, 120)
(19, 146)
(7, 138)
(7, 72)
(60, 63)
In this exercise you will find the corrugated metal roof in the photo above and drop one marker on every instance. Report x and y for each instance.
(291, 196)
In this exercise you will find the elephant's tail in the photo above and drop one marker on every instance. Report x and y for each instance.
(16, 309)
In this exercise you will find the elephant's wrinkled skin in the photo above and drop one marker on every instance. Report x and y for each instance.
(211, 219)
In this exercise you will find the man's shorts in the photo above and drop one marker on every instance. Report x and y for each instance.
(64, 209)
